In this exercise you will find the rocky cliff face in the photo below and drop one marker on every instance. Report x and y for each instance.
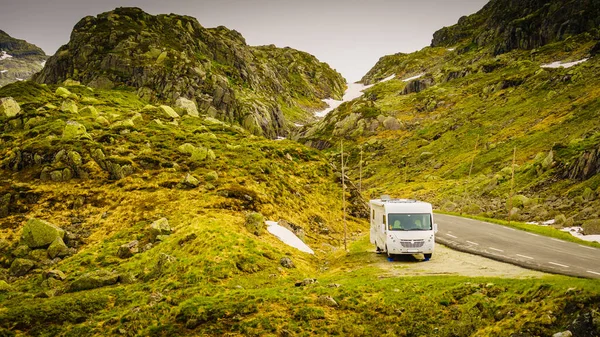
(19, 60)
(510, 24)
(171, 56)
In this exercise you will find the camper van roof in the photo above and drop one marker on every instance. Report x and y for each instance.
(401, 201)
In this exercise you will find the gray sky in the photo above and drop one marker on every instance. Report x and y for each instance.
(350, 35)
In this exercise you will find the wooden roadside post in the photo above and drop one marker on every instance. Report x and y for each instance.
(512, 184)
(344, 199)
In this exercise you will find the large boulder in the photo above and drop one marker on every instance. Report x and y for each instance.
(39, 233)
(93, 280)
(187, 105)
(9, 107)
(20, 267)
(58, 248)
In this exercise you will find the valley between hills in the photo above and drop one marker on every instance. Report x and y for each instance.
(141, 165)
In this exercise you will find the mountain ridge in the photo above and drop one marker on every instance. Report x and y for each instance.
(170, 56)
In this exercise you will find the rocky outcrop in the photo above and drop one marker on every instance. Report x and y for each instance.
(172, 59)
(510, 24)
(19, 60)
(584, 167)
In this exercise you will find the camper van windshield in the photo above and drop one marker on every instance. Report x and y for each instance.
(409, 222)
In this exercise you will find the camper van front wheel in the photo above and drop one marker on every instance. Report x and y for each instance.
(427, 256)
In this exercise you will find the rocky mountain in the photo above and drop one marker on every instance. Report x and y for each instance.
(167, 57)
(19, 60)
(516, 76)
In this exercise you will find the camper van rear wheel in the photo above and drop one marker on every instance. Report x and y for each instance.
(427, 256)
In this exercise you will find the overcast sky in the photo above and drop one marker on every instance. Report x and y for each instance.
(350, 35)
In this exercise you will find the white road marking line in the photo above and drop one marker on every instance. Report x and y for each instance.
(553, 239)
(558, 264)
(496, 249)
(532, 234)
(510, 229)
(588, 247)
(593, 272)
(473, 243)
(452, 236)
(525, 256)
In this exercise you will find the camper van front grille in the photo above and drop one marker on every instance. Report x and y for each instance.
(412, 243)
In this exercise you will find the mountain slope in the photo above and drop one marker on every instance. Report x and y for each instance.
(165, 57)
(19, 60)
(448, 136)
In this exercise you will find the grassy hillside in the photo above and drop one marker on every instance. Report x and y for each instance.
(449, 135)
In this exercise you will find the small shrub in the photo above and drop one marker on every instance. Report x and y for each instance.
(255, 223)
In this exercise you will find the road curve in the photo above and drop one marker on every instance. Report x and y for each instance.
(518, 247)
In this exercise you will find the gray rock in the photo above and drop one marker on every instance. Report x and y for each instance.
(306, 282)
(190, 181)
(4, 287)
(187, 105)
(20, 267)
(58, 248)
(89, 111)
(69, 106)
(38, 255)
(39, 233)
(563, 334)
(128, 250)
(168, 111)
(93, 280)
(327, 300)
(54, 274)
(62, 92)
(9, 107)
(21, 251)
(160, 227)
(286, 262)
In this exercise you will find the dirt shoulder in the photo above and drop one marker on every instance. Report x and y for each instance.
(446, 261)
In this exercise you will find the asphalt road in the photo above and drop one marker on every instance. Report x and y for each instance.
(518, 247)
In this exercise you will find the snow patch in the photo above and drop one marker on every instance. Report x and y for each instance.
(43, 63)
(578, 233)
(287, 237)
(3, 71)
(4, 56)
(559, 64)
(451, 49)
(298, 125)
(412, 78)
(543, 223)
(280, 138)
(19, 79)
(354, 91)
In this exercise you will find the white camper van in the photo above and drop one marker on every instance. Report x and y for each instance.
(401, 226)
